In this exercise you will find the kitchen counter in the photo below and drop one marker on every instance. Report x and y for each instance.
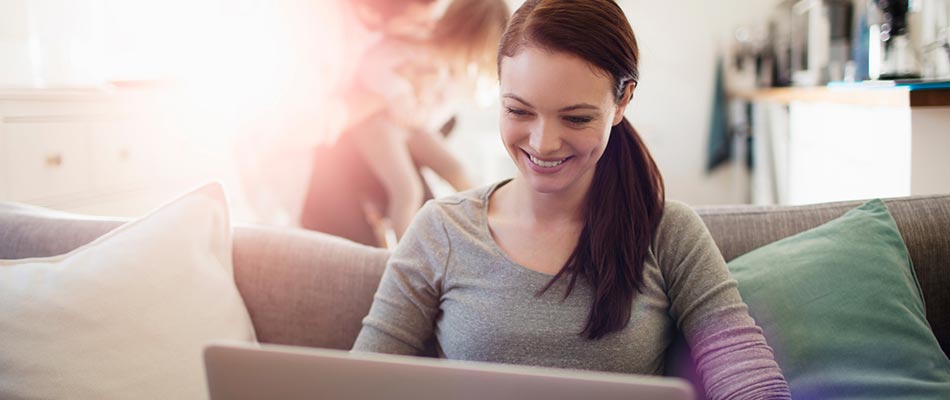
(856, 94)
(849, 141)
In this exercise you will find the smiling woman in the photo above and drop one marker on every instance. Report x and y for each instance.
(556, 140)
(579, 261)
(581, 88)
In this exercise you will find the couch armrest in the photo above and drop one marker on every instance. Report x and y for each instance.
(306, 288)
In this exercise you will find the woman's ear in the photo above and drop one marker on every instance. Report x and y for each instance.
(624, 101)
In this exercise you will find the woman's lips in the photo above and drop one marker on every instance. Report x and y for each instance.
(545, 166)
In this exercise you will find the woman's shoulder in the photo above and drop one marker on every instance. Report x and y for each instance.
(468, 203)
(477, 195)
(675, 210)
(679, 221)
(459, 211)
(682, 235)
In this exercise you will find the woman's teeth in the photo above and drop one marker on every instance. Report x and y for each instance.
(545, 164)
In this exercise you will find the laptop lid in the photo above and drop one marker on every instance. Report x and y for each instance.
(245, 371)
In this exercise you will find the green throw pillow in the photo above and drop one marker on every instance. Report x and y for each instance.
(842, 309)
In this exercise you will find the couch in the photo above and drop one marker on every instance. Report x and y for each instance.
(311, 289)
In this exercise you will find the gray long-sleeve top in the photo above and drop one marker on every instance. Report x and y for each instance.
(448, 278)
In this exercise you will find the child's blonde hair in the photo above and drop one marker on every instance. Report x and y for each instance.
(469, 32)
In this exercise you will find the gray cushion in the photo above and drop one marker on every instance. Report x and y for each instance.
(27, 231)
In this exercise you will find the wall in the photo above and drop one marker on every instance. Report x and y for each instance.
(679, 42)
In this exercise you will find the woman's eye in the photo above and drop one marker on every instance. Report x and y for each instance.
(516, 111)
(578, 120)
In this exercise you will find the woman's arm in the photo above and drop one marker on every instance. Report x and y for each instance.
(407, 302)
(730, 353)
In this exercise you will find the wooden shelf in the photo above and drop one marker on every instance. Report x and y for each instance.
(899, 96)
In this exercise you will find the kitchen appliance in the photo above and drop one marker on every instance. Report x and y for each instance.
(932, 31)
(781, 43)
(891, 53)
(821, 40)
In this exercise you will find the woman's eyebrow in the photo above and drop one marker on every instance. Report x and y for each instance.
(580, 106)
(516, 98)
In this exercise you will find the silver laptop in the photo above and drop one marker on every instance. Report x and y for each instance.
(281, 372)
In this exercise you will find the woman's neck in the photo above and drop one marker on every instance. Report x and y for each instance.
(537, 208)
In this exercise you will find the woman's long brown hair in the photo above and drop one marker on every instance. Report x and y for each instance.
(626, 198)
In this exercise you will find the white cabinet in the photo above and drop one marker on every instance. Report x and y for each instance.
(45, 160)
(115, 153)
(843, 152)
(124, 154)
(4, 184)
(930, 164)
(89, 151)
(814, 145)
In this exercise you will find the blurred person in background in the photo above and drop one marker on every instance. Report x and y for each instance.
(369, 178)
(317, 99)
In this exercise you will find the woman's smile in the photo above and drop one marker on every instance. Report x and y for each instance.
(545, 165)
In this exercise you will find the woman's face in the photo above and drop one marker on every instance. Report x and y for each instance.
(556, 115)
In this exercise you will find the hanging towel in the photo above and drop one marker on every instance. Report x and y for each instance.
(719, 148)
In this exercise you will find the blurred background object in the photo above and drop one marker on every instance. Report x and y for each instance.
(813, 42)
(51, 43)
(407, 88)
(894, 57)
(856, 105)
(139, 99)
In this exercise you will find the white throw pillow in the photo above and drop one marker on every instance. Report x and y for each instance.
(126, 316)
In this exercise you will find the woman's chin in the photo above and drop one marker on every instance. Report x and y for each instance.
(562, 182)
(546, 184)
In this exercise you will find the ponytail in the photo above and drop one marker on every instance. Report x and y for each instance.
(622, 212)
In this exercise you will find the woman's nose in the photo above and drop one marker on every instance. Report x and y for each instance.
(544, 139)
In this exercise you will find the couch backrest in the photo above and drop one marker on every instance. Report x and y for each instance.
(311, 289)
